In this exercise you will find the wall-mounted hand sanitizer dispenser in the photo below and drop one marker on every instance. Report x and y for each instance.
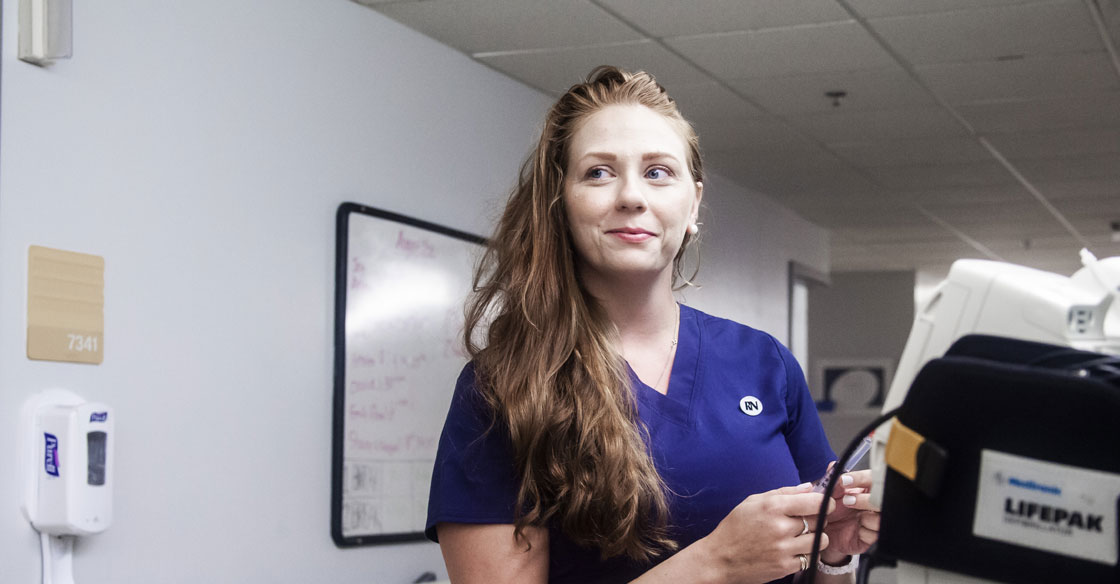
(69, 450)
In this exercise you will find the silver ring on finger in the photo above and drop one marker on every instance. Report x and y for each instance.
(805, 529)
(804, 562)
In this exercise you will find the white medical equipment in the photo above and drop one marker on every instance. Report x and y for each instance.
(983, 297)
(68, 474)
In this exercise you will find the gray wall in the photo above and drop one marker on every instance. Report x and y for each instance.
(746, 244)
(202, 148)
(861, 316)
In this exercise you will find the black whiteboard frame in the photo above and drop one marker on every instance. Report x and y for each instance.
(342, 250)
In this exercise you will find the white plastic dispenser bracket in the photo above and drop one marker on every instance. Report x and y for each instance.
(68, 471)
(45, 31)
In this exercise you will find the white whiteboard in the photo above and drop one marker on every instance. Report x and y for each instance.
(400, 288)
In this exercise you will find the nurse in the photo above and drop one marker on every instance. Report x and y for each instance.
(603, 432)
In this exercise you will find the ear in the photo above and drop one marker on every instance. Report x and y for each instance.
(696, 204)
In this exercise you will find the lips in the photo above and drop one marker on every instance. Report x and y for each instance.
(631, 234)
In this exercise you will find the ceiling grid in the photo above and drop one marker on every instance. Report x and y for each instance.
(965, 128)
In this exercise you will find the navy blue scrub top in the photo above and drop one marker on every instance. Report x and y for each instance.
(737, 419)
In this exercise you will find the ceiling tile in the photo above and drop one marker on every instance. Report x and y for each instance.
(1021, 79)
(1095, 214)
(1020, 219)
(912, 153)
(1058, 258)
(1098, 188)
(921, 256)
(880, 89)
(943, 175)
(864, 202)
(711, 101)
(789, 159)
(919, 229)
(895, 124)
(474, 26)
(554, 71)
(991, 33)
(664, 18)
(879, 8)
(1057, 144)
(1081, 111)
(984, 194)
(809, 183)
(1051, 106)
(846, 211)
(1094, 201)
(761, 134)
(1062, 169)
(780, 185)
(1016, 246)
(833, 219)
(839, 46)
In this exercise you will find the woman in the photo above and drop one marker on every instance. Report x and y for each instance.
(602, 432)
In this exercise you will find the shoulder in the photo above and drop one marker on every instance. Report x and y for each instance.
(469, 408)
(722, 334)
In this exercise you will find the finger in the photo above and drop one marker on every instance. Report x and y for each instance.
(802, 545)
(869, 520)
(861, 479)
(868, 536)
(793, 564)
(804, 525)
(861, 502)
(801, 504)
(845, 480)
(802, 488)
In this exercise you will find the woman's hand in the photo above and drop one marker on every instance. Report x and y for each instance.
(763, 538)
(853, 525)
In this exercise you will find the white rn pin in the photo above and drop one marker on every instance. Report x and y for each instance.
(750, 405)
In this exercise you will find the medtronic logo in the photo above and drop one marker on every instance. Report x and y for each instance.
(750, 405)
(98, 416)
(1031, 485)
(50, 458)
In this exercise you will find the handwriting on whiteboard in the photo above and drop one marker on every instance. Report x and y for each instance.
(420, 247)
(382, 496)
(405, 292)
(409, 444)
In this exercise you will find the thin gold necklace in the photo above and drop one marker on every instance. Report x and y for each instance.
(672, 350)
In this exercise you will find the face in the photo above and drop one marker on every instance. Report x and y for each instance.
(629, 194)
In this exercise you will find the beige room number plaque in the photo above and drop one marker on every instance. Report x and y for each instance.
(65, 305)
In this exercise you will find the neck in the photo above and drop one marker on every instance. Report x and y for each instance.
(641, 310)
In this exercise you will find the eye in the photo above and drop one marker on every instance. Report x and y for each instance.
(658, 173)
(597, 173)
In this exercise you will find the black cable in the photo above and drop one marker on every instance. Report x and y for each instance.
(833, 478)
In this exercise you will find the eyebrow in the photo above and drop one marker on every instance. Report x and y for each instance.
(610, 156)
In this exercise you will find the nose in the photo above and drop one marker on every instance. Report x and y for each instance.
(630, 195)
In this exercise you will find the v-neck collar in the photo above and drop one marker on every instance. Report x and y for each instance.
(676, 403)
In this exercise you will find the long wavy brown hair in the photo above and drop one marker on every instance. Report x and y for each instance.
(550, 365)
